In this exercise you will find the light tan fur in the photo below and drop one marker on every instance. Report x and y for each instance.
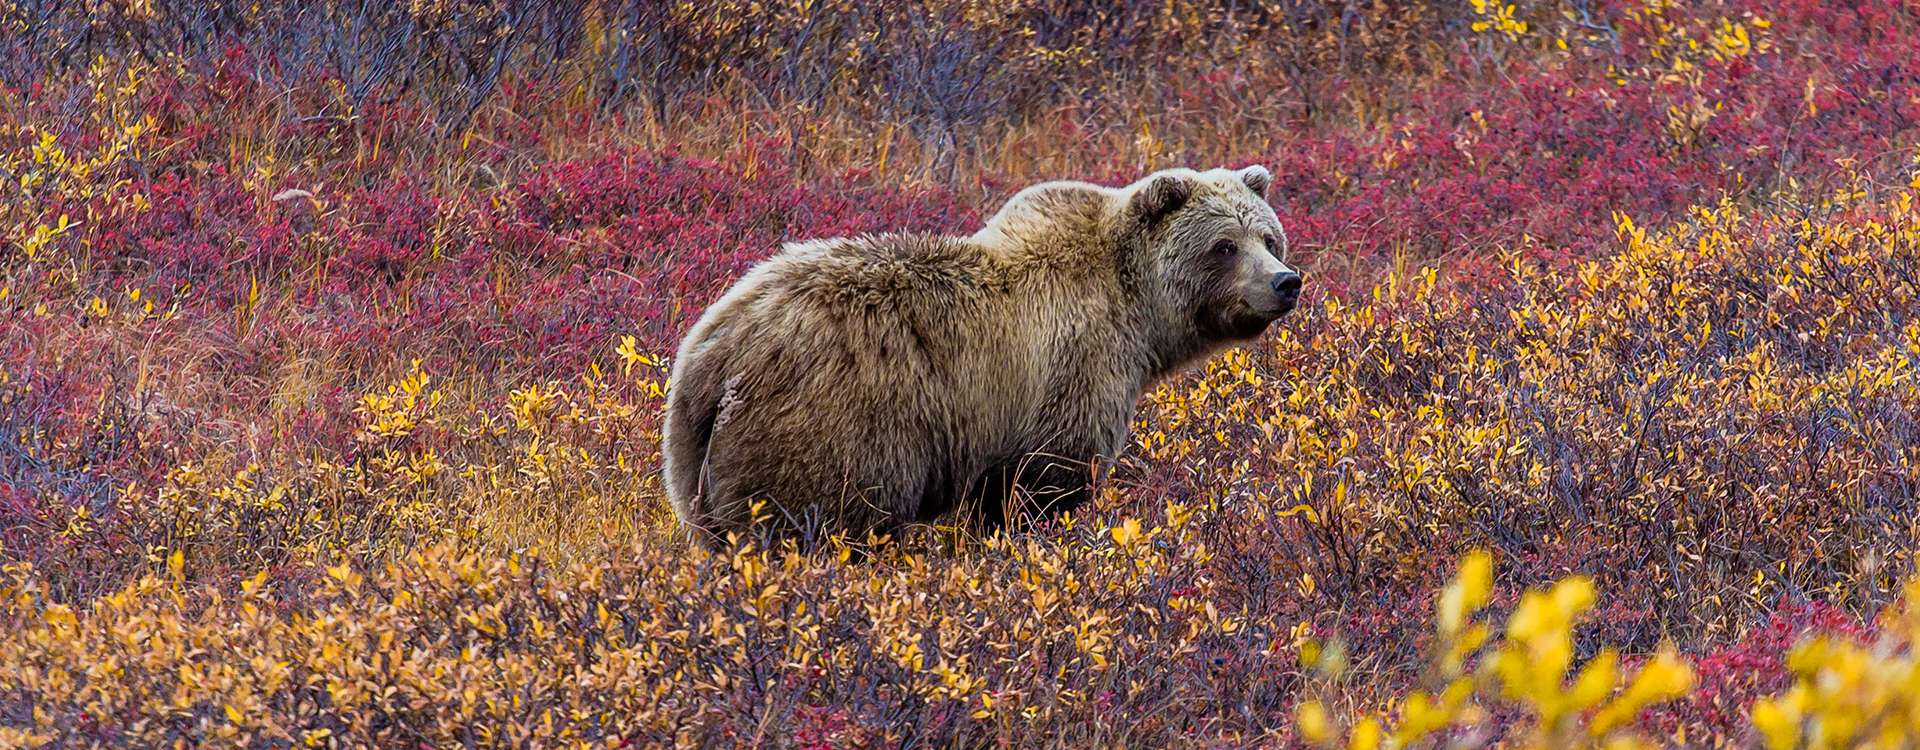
(861, 383)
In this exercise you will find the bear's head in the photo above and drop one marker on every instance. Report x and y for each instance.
(1216, 249)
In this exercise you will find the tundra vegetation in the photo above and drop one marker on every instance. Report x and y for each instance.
(333, 357)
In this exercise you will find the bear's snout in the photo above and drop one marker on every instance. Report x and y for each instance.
(1286, 285)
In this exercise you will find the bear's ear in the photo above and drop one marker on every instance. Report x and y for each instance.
(1258, 179)
(1162, 196)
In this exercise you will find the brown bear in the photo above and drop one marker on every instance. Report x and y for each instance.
(860, 384)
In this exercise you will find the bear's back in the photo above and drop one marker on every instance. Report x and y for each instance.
(892, 271)
(1046, 217)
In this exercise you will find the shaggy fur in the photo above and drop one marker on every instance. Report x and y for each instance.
(864, 383)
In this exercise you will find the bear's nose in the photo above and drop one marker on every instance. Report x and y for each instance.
(1287, 282)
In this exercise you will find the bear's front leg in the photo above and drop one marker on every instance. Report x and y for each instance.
(1021, 491)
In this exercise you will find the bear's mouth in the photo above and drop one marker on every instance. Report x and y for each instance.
(1275, 308)
(1244, 321)
(1278, 311)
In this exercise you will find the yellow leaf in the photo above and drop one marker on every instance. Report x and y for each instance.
(1468, 591)
(1366, 735)
(1315, 726)
(1780, 728)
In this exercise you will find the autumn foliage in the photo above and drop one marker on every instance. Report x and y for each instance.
(333, 346)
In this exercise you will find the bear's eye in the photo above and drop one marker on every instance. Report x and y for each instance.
(1273, 246)
(1225, 247)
